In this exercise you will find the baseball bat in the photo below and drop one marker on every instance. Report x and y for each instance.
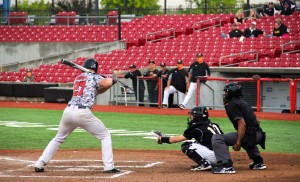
(74, 65)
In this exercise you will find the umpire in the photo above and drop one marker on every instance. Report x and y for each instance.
(248, 135)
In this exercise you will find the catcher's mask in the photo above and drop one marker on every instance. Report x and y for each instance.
(232, 89)
(198, 115)
(91, 63)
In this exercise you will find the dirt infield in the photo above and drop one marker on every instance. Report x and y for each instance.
(140, 165)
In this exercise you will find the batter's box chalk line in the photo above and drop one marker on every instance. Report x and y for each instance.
(55, 166)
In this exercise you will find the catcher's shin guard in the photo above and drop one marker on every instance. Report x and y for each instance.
(191, 153)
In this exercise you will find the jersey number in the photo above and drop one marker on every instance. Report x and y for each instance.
(78, 88)
(214, 129)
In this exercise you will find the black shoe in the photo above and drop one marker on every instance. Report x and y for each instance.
(114, 170)
(39, 170)
(224, 170)
(258, 166)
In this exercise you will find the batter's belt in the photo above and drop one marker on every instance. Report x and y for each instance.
(78, 106)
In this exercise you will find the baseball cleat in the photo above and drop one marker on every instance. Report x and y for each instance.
(258, 166)
(164, 106)
(114, 170)
(224, 170)
(202, 167)
(181, 106)
(39, 169)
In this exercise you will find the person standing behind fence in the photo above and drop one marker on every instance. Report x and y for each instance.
(152, 84)
(138, 91)
(198, 68)
(176, 83)
(163, 74)
(29, 76)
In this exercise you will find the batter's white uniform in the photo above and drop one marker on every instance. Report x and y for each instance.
(78, 114)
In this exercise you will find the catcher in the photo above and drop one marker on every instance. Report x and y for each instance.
(201, 129)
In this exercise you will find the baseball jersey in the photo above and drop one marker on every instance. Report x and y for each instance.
(238, 108)
(162, 73)
(198, 69)
(133, 76)
(152, 83)
(85, 89)
(178, 79)
(202, 133)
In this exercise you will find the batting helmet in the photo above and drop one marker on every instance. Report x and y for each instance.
(200, 115)
(91, 63)
(232, 89)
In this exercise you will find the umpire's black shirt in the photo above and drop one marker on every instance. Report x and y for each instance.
(238, 108)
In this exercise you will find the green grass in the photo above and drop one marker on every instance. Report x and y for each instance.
(282, 136)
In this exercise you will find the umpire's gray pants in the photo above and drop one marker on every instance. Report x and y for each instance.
(220, 143)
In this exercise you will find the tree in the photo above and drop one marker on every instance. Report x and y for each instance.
(216, 6)
(36, 7)
(81, 7)
(129, 5)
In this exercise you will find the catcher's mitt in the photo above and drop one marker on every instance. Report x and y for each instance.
(158, 135)
(256, 77)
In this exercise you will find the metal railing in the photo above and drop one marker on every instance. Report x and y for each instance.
(171, 30)
(238, 54)
(289, 43)
(201, 22)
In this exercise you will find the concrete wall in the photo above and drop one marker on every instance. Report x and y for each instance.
(14, 56)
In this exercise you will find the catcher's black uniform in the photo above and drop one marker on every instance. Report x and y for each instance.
(202, 133)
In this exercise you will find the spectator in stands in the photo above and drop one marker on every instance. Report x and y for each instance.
(291, 4)
(239, 17)
(252, 31)
(269, 10)
(164, 74)
(286, 10)
(197, 69)
(235, 32)
(284, 28)
(252, 15)
(152, 83)
(29, 76)
(278, 31)
(133, 74)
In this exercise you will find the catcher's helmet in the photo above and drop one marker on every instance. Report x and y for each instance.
(232, 89)
(91, 63)
(200, 114)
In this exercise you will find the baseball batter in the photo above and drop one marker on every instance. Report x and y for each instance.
(78, 114)
(201, 129)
